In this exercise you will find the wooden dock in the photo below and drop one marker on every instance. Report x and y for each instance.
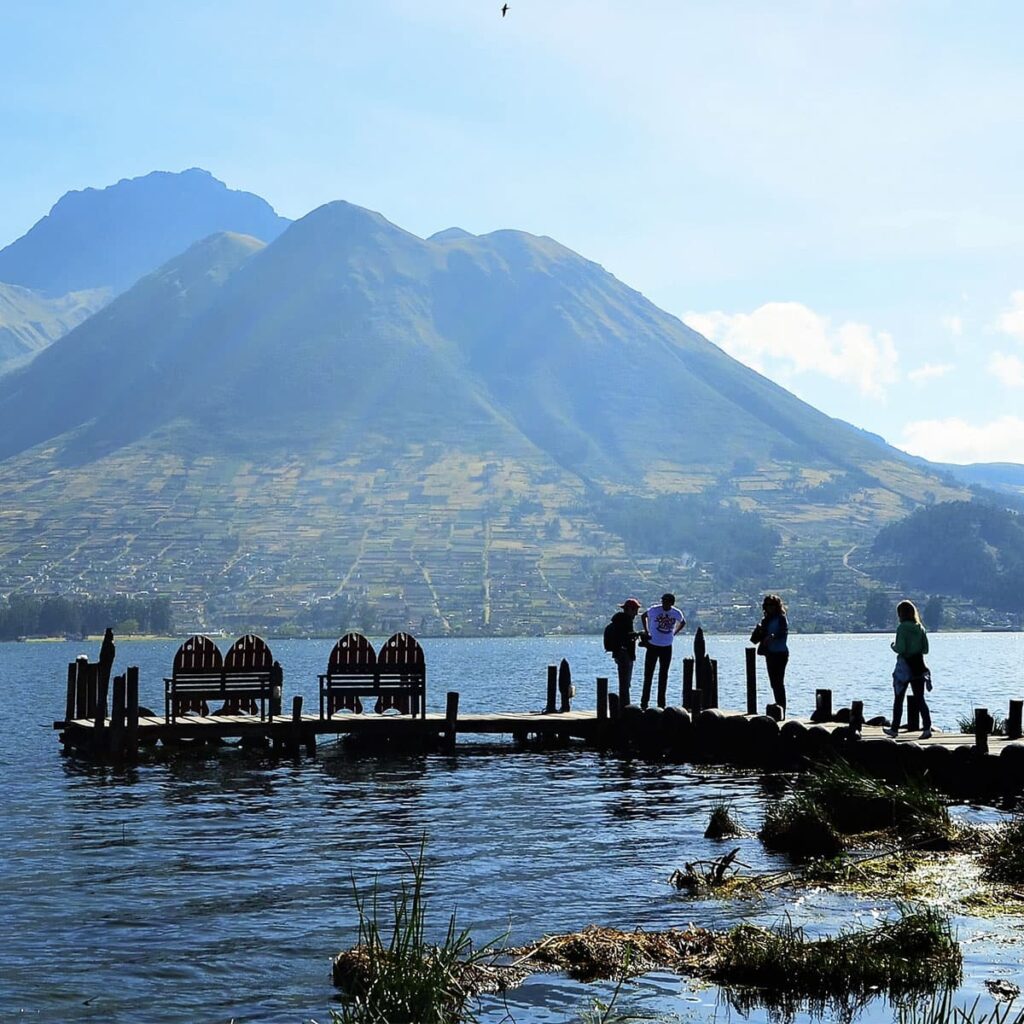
(976, 765)
(304, 730)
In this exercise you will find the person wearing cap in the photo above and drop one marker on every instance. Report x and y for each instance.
(661, 622)
(621, 641)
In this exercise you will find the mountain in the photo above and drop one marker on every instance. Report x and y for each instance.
(30, 321)
(982, 549)
(1003, 477)
(110, 237)
(447, 430)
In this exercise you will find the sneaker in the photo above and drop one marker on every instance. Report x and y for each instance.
(891, 732)
(927, 734)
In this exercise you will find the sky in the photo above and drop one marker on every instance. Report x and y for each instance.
(831, 192)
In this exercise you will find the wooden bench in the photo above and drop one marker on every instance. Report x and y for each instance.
(395, 679)
(244, 680)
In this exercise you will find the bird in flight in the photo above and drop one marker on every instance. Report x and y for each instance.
(504, 10)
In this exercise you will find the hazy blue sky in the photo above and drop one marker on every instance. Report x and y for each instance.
(833, 192)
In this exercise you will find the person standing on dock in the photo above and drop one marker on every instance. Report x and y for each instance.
(661, 622)
(771, 635)
(620, 641)
(910, 645)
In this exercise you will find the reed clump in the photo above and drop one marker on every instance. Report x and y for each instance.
(402, 977)
(722, 823)
(915, 953)
(969, 724)
(856, 802)
(1004, 856)
(941, 1009)
(800, 827)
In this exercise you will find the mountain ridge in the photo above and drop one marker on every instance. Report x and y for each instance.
(436, 427)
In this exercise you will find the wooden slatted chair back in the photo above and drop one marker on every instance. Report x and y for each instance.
(249, 655)
(198, 655)
(401, 659)
(352, 656)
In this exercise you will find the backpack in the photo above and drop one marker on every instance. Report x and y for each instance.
(610, 638)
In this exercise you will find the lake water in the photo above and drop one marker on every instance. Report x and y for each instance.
(211, 890)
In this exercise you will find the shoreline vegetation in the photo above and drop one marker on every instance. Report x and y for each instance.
(270, 634)
(883, 841)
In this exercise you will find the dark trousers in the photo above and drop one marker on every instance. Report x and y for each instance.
(662, 657)
(776, 666)
(917, 688)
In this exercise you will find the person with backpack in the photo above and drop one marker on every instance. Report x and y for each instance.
(620, 642)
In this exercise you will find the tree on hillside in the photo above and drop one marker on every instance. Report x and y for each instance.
(934, 613)
(878, 610)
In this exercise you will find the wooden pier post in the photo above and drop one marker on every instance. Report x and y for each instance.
(295, 737)
(751, 656)
(696, 701)
(1013, 720)
(602, 698)
(451, 717)
(99, 707)
(774, 711)
(69, 704)
(565, 686)
(714, 683)
(822, 706)
(688, 684)
(982, 726)
(856, 718)
(93, 691)
(116, 735)
(131, 730)
(82, 687)
(913, 713)
(550, 708)
(614, 705)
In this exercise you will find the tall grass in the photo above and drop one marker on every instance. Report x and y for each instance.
(781, 968)
(401, 977)
(969, 724)
(856, 802)
(800, 827)
(1004, 859)
(941, 1009)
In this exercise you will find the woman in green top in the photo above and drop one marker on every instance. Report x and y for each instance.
(910, 645)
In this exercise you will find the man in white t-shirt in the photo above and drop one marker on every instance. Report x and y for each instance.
(662, 622)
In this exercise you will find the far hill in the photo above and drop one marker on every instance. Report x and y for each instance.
(462, 434)
(972, 550)
(30, 321)
(110, 237)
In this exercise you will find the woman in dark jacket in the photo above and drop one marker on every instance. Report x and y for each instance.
(771, 635)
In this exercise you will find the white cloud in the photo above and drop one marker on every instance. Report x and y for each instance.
(954, 324)
(1012, 321)
(780, 339)
(930, 371)
(1007, 369)
(956, 440)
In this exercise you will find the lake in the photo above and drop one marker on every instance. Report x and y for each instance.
(217, 889)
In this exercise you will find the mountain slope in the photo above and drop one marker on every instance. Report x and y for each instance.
(109, 238)
(444, 429)
(30, 321)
